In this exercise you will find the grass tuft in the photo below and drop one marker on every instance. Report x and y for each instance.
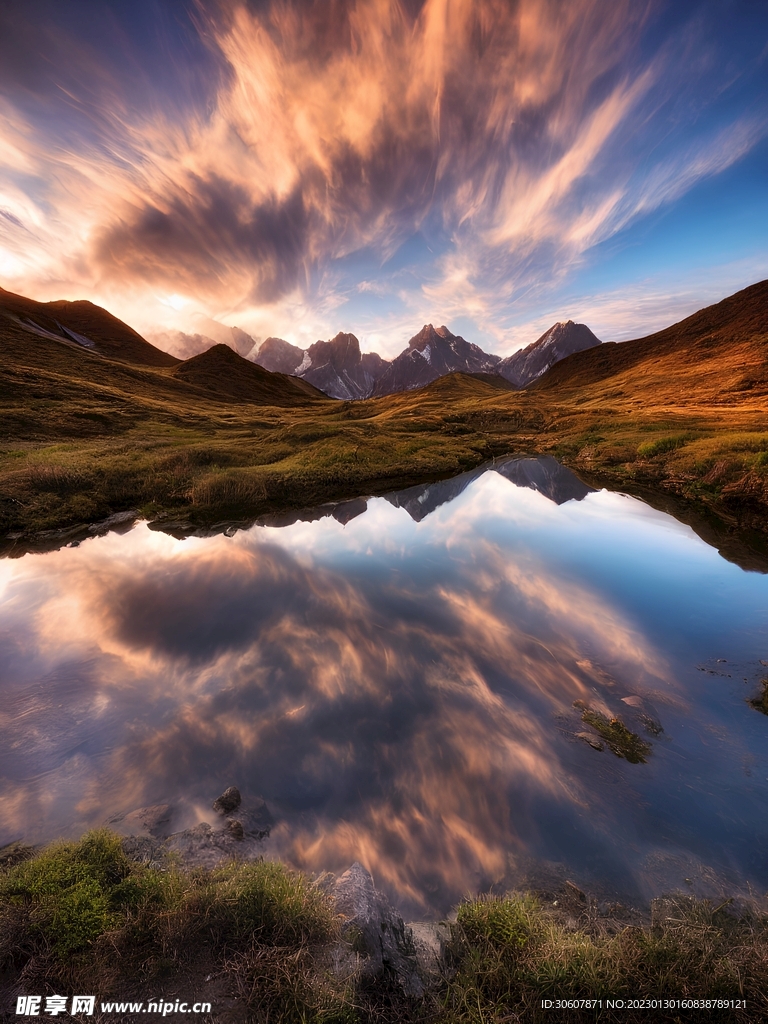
(699, 952)
(662, 445)
(621, 740)
(81, 915)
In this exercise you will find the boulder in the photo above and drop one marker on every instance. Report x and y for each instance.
(235, 829)
(431, 939)
(229, 801)
(256, 819)
(377, 933)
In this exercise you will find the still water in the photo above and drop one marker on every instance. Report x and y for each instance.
(397, 681)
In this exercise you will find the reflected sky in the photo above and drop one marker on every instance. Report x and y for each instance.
(402, 692)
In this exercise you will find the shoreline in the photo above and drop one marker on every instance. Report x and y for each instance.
(737, 537)
(256, 936)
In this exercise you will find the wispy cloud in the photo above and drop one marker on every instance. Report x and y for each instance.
(508, 132)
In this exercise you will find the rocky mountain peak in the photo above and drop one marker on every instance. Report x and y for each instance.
(428, 334)
(562, 339)
(342, 352)
(279, 356)
(432, 353)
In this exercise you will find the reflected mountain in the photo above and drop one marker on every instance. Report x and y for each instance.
(543, 474)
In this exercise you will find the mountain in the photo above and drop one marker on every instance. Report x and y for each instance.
(432, 353)
(184, 346)
(716, 357)
(83, 325)
(561, 340)
(101, 375)
(225, 375)
(337, 367)
(280, 356)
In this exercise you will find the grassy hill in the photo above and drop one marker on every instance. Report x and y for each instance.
(110, 336)
(226, 376)
(679, 418)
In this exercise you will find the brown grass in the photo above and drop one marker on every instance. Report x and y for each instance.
(668, 418)
(508, 954)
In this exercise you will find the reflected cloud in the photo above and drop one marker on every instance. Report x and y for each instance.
(408, 707)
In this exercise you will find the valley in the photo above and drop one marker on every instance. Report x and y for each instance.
(678, 418)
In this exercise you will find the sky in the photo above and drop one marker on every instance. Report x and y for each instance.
(300, 167)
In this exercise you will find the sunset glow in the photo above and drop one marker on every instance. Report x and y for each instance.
(298, 168)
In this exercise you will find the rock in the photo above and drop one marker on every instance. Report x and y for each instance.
(153, 821)
(430, 939)
(377, 933)
(201, 846)
(575, 893)
(150, 839)
(229, 801)
(256, 819)
(235, 829)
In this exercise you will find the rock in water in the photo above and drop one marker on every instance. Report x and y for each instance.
(228, 801)
(235, 829)
(377, 932)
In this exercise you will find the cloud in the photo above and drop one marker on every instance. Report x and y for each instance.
(515, 135)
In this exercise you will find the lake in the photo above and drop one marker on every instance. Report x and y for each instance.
(429, 683)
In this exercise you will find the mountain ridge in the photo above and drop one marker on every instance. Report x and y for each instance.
(432, 353)
(82, 322)
(678, 418)
(341, 370)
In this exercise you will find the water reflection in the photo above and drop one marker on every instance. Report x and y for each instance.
(400, 687)
(543, 474)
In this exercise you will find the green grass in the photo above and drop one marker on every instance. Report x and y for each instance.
(508, 953)
(82, 916)
(649, 449)
(619, 739)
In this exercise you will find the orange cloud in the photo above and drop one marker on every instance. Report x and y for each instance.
(332, 127)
